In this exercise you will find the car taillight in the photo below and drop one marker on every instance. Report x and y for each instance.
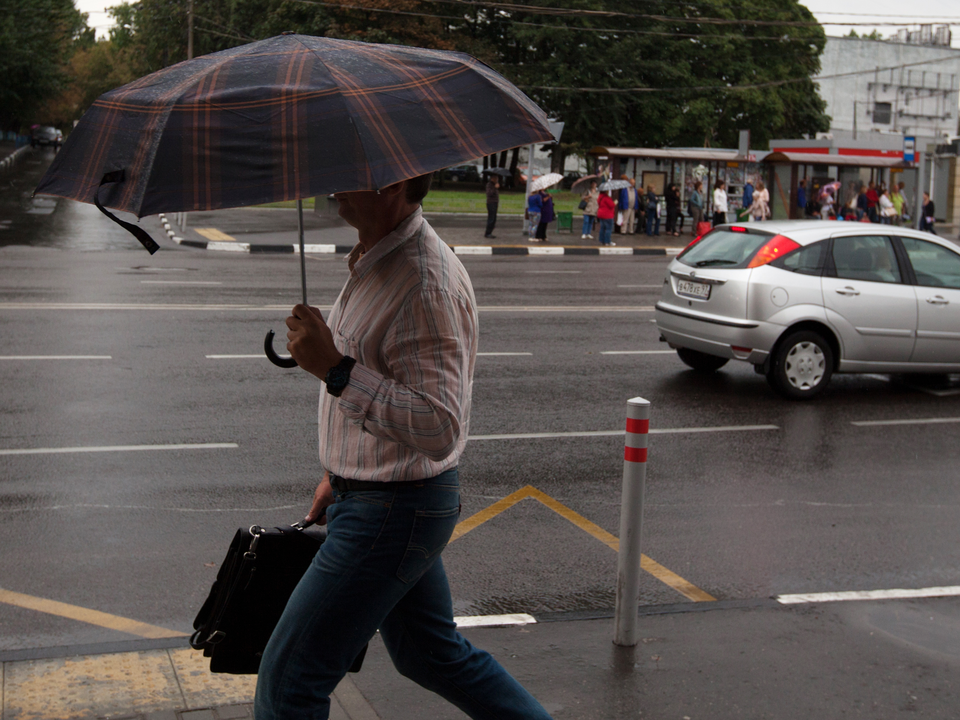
(737, 228)
(775, 247)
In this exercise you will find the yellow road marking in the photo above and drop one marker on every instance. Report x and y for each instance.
(668, 577)
(215, 235)
(93, 617)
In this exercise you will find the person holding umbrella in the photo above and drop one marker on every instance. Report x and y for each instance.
(606, 212)
(590, 204)
(397, 355)
(547, 215)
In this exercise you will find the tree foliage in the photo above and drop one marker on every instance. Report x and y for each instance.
(643, 74)
(37, 39)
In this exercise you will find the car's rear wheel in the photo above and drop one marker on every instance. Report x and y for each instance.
(701, 361)
(801, 366)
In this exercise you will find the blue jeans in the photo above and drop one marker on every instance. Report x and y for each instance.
(653, 220)
(588, 224)
(606, 231)
(380, 568)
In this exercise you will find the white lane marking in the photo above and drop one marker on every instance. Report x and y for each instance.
(180, 282)
(287, 306)
(494, 620)
(320, 249)
(897, 594)
(919, 421)
(673, 251)
(643, 286)
(119, 448)
(553, 272)
(56, 357)
(261, 356)
(615, 251)
(637, 352)
(560, 308)
(473, 249)
(505, 354)
(614, 433)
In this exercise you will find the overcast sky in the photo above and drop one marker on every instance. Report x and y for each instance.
(860, 11)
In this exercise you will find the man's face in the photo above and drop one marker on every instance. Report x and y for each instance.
(357, 207)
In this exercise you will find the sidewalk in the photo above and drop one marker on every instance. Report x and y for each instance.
(695, 661)
(261, 230)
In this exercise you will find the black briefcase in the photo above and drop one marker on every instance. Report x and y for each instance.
(257, 577)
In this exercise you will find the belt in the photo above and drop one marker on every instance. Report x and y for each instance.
(343, 484)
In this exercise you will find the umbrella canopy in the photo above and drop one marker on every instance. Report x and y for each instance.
(614, 185)
(503, 172)
(285, 118)
(583, 184)
(830, 188)
(545, 181)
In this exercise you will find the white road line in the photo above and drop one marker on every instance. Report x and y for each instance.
(553, 272)
(494, 620)
(919, 421)
(640, 286)
(56, 357)
(261, 356)
(898, 594)
(287, 306)
(505, 354)
(180, 282)
(614, 433)
(637, 352)
(119, 448)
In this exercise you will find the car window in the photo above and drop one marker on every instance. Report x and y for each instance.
(724, 248)
(865, 258)
(934, 266)
(805, 260)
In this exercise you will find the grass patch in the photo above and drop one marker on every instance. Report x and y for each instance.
(468, 201)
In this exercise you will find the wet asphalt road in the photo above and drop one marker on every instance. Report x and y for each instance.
(812, 503)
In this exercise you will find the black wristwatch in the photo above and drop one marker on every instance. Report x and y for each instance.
(338, 376)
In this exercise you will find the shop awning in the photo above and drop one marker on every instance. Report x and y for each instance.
(805, 158)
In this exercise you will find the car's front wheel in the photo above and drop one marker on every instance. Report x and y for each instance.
(701, 361)
(802, 365)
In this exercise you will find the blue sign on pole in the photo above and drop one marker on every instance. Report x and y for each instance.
(909, 147)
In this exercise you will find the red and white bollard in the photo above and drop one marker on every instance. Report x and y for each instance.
(631, 522)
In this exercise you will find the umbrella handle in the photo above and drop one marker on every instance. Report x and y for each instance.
(284, 362)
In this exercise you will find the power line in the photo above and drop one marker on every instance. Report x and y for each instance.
(737, 88)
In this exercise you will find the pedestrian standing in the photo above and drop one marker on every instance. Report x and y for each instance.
(397, 357)
(493, 202)
(802, 198)
(929, 213)
(759, 207)
(887, 208)
(629, 202)
(719, 204)
(672, 198)
(546, 215)
(534, 208)
(606, 211)
(653, 211)
(862, 203)
(695, 207)
(873, 200)
(590, 210)
(905, 207)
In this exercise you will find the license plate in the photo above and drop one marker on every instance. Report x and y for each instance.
(693, 289)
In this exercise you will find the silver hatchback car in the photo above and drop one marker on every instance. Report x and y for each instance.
(802, 300)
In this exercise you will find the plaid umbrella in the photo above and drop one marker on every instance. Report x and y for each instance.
(290, 117)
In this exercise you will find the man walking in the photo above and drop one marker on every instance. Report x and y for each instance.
(397, 357)
(493, 202)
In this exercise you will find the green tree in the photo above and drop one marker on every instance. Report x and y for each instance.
(37, 39)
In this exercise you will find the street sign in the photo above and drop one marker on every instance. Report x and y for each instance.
(909, 147)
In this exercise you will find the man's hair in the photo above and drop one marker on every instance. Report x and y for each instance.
(417, 188)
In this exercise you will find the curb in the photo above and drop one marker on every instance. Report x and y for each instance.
(240, 247)
(13, 157)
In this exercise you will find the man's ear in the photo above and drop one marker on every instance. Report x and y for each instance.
(399, 188)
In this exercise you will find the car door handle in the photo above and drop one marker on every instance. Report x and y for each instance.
(938, 300)
(847, 291)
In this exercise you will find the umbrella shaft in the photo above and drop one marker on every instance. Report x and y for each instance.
(303, 259)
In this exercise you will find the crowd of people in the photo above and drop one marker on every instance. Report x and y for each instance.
(631, 210)
(864, 202)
